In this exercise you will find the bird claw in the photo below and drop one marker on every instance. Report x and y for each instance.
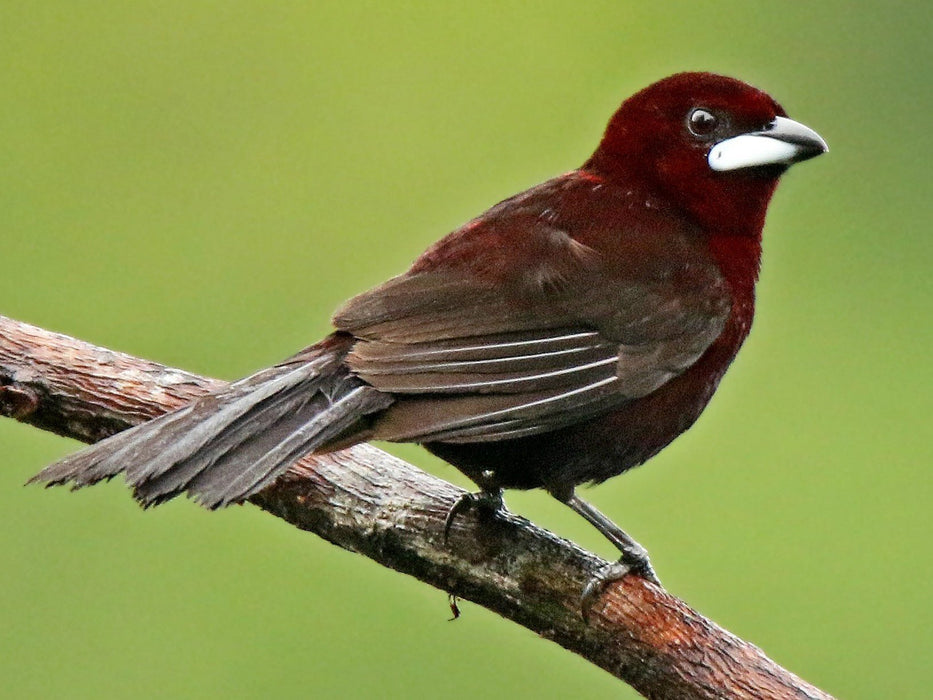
(610, 573)
(483, 500)
(643, 569)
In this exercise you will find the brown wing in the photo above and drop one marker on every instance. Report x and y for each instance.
(471, 360)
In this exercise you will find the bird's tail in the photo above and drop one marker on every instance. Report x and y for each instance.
(228, 445)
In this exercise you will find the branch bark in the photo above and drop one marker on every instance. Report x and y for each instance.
(369, 502)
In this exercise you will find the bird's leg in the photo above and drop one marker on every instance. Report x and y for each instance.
(634, 559)
(488, 500)
(633, 554)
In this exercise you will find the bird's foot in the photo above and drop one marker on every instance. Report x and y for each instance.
(484, 501)
(638, 566)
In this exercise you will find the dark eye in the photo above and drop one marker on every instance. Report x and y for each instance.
(701, 122)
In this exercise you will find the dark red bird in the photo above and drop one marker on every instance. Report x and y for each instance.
(564, 336)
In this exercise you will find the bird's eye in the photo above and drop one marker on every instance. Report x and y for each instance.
(702, 122)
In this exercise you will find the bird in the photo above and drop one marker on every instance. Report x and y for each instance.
(562, 337)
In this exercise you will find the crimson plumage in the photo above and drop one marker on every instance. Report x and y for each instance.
(564, 336)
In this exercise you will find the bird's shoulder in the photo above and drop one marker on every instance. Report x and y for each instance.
(577, 221)
(573, 250)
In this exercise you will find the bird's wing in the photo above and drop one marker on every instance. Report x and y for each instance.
(470, 361)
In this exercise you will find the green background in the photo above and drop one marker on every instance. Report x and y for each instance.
(201, 183)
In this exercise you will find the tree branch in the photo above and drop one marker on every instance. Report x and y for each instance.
(369, 502)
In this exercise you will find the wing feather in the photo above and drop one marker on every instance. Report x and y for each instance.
(470, 365)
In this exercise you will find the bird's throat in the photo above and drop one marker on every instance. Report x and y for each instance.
(739, 259)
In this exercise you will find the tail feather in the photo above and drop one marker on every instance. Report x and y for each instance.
(230, 444)
(301, 434)
(229, 430)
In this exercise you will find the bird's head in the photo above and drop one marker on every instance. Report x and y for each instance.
(709, 145)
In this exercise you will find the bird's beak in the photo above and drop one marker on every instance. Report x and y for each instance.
(782, 142)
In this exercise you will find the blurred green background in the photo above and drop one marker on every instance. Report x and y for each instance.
(201, 183)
